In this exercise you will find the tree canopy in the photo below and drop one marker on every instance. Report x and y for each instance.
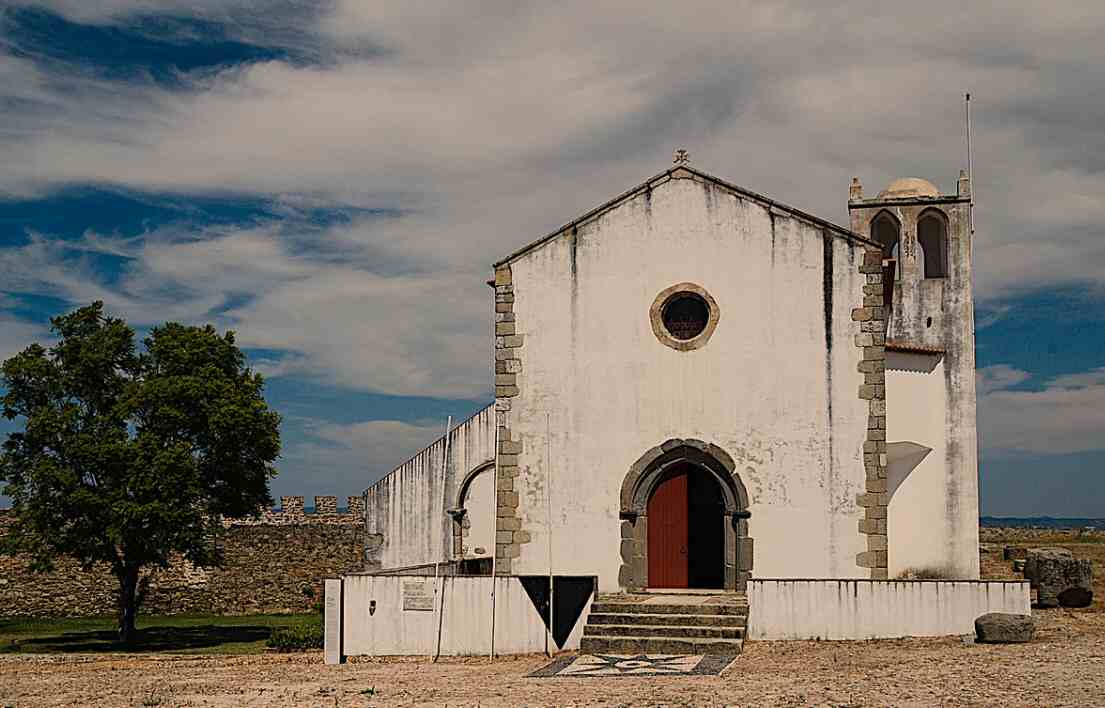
(130, 457)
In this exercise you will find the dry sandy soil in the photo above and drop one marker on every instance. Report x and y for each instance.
(1063, 666)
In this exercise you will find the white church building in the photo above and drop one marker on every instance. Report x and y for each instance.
(699, 388)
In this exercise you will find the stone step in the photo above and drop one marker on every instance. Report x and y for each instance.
(628, 608)
(655, 631)
(689, 620)
(657, 645)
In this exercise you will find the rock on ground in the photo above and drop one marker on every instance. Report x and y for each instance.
(1076, 597)
(1053, 571)
(1002, 628)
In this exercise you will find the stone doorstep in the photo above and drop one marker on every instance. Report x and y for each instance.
(651, 645)
(608, 607)
(667, 619)
(672, 623)
(655, 631)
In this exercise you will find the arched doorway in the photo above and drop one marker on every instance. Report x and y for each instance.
(686, 532)
(685, 489)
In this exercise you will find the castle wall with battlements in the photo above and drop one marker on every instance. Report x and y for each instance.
(275, 562)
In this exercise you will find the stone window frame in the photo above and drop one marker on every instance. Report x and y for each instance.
(640, 482)
(656, 317)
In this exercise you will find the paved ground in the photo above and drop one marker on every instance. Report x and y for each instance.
(1065, 666)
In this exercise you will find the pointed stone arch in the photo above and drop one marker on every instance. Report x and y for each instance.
(640, 482)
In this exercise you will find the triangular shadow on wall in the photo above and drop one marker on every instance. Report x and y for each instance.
(572, 593)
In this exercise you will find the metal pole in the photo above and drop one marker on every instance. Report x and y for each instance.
(494, 529)
(970, 168)
(548, 514)
(439, 580)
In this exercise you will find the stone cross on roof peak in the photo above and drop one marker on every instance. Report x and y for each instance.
(681, 157)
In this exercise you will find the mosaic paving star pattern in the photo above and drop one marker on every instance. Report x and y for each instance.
(635, 665)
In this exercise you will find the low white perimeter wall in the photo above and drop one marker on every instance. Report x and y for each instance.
(466, 622)
(873, 609)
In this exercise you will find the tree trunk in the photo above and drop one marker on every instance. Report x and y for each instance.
(128, 603)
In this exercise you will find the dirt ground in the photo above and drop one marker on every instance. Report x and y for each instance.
(1063, 666)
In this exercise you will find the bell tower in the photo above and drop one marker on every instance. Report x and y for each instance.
(932, 446)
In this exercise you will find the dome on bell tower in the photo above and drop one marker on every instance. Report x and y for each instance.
(909, 187)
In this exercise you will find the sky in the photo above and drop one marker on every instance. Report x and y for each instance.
(331, 180)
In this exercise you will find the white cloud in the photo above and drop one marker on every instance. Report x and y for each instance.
(489, 124)
(348, 458)
(16, 335)
(1067, 416)
(998, 377)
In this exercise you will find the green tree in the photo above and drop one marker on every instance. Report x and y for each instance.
(129, 458)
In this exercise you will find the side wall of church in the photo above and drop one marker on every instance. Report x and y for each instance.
(405, 521)
(775, 387)
(916, 411)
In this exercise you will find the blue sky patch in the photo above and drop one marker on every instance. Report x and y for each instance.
(158, 47)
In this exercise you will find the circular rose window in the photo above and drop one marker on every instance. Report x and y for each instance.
(684, 316)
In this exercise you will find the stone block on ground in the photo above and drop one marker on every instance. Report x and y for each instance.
(1076, 597)
(1053, 571)
(1002, 628)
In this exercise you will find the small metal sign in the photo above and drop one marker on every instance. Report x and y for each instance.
(418, 595)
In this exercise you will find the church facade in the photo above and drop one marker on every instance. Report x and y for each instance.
(697, 386)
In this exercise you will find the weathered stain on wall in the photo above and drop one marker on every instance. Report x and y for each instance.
(405, 521)
(874, 609)
(759, 389)
(274, 563)
(934, 313)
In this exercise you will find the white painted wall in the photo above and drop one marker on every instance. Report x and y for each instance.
(405, 506)
(939, 313)
(764, 388)
(479, 504)
(873, 609)
(466, 622)
(916, 410)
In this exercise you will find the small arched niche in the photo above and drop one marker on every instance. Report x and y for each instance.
(474, 518)
(932, 238)
(886, 230)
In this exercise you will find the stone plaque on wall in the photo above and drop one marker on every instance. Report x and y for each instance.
(418, 595)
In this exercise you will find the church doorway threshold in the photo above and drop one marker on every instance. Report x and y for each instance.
(689, 591)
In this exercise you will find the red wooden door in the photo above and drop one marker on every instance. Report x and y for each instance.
(667, 533)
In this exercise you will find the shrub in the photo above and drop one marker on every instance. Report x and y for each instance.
(927, 573)
(297, 637)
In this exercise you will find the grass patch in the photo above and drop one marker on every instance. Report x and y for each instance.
(302, 637)
(176, 634)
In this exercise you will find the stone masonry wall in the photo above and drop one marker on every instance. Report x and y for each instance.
(509, 534)
(871, 339)
(273, 563)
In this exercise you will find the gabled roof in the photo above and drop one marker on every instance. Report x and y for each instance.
(682, 171)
